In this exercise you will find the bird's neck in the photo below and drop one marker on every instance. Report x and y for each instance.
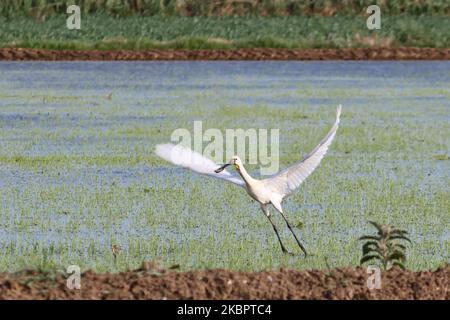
(243, 173)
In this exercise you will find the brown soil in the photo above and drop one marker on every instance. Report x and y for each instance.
(147, 283)
(232, 54)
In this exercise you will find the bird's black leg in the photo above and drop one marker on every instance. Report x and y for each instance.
(292, 231)
(283, 248)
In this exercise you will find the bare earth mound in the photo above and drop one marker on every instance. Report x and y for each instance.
(231, 54)
(346, 283)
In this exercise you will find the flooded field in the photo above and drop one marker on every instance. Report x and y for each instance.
(78, 173)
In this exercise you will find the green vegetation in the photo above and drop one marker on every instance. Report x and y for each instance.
(44, 8)
(211, 24)
(78, 173)
(385, 247)
(139, 33)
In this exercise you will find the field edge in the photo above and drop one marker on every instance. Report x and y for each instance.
(150, 283)
(400, 53)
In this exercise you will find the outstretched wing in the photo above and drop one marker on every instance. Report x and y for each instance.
(194, 161)
(288, 180)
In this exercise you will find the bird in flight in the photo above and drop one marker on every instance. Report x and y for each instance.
(272, 190)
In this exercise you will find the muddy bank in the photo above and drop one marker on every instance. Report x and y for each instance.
(346, 283)
(20, 54)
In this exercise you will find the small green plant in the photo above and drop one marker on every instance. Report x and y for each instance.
(385, 247)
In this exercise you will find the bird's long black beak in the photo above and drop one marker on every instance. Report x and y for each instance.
(221, 168)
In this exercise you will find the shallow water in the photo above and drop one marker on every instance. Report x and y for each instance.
(77, 168)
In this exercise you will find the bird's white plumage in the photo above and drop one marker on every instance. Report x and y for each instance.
(194, 161)
(279, 185)
(271, 190)
(288, 180)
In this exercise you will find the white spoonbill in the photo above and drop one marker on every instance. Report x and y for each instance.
(271, 190)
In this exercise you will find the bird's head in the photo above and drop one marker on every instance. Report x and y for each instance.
(235, 161)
